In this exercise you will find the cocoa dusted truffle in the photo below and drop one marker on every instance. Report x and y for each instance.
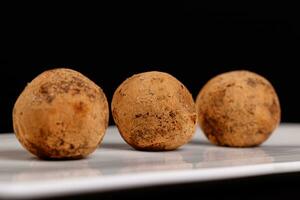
(154, 111)
(238, 109)
(61, 114)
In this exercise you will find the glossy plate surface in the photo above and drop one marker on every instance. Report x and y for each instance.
(115, 165)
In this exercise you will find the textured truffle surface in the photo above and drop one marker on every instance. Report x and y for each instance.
(238, 109)
(154, 111)
(61, 114)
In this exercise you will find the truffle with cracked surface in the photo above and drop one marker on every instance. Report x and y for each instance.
(154, 111)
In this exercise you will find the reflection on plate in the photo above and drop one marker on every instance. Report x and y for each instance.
(116, 165)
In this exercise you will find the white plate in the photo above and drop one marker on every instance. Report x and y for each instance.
(115, 165)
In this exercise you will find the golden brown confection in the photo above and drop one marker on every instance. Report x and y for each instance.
(61, 114)
(238, 109)
(154, 111)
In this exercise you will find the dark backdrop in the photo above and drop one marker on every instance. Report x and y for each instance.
(109, 43)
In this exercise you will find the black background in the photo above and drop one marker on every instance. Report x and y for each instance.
(110, 42)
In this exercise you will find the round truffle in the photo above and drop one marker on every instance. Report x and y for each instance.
(61, 114)
(238, 109)
(154, 111)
